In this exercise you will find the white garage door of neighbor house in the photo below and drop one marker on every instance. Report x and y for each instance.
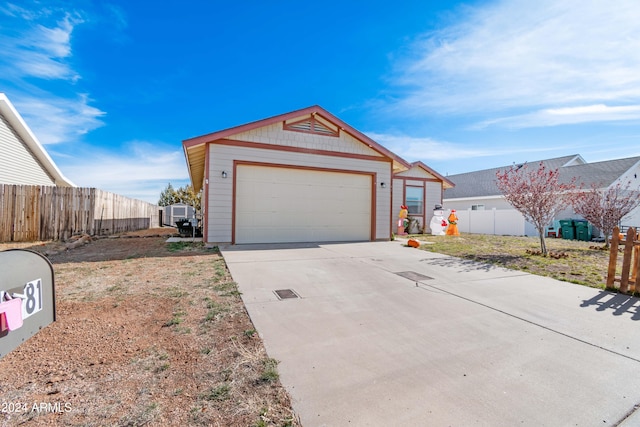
(275, 205)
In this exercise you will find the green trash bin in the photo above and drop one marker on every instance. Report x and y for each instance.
(584, 230)
(568, 229)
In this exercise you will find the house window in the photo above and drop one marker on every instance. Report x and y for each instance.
(415, 200)
(477, 207)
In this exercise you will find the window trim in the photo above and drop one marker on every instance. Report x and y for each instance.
(421, 201)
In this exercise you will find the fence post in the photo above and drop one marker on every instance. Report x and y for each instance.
(613, 258)
(636, 265)
(29, 213)
(626, 260)
(630, 261)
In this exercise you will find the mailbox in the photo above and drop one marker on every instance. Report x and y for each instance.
(27, 297)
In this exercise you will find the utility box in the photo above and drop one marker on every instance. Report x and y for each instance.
(584, 230)
(568, 229)
(27, 297)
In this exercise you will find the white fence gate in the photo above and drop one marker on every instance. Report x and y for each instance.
(501, 222)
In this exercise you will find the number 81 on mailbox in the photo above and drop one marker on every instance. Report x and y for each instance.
(32, 301)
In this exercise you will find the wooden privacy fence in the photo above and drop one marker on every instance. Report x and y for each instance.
(630, 261)
(30, 213)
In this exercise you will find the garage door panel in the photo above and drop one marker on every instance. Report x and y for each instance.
(297, 205)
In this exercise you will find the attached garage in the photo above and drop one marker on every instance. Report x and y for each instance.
(304, 176)
(292, 204)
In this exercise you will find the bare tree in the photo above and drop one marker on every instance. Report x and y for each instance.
(186, 195)
(605, 208)
(537, 194)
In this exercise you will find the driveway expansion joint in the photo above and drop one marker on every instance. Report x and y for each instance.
(531, 322)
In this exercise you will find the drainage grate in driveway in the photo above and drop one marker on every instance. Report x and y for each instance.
(286, 294)
(412, 275)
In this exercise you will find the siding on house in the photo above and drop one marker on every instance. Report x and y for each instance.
(434, 197)
(220, 200)
(632, 176)
(398, 198)
(18, 165)
(311, 140)
(275, 135)
(416, 172)
(417, 176)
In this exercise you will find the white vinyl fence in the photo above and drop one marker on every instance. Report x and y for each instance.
(501, 222)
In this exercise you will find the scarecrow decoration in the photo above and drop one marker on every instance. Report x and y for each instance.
(403, 222)
(452, 230)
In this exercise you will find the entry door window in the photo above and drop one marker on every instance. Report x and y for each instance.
(415, 200)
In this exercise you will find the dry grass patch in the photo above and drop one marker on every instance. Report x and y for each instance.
(574, 261)
(148, 333)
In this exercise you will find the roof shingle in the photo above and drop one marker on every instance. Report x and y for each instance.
(483, 183)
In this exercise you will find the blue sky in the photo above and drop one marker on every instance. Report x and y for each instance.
(112, 88)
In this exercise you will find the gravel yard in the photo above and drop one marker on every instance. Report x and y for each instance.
(147, 333)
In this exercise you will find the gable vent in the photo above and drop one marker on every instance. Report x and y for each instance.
(311, 125)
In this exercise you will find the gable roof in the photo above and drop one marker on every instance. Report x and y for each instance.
(483, 183)
(12, 116)
(195, 148)
(446, 183)
(601, 174)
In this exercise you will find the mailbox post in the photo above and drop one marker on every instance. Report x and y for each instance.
(25, 276)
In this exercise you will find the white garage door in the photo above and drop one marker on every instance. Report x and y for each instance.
(275, 204)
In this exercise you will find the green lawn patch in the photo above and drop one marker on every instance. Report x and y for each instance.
(577, 262)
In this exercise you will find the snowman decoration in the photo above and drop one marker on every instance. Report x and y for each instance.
(438, 224)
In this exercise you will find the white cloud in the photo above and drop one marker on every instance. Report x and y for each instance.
(415, 148)
(527, 55)
(58, 120)
(141, 170)
(55, 41)
(567, 115)
(40, 51)
(36, 44)
(14, 10)
(428, 149)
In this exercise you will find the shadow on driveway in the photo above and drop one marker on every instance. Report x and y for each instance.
(462, 265)
(619, 303)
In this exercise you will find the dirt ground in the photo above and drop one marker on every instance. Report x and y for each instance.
(147, 333)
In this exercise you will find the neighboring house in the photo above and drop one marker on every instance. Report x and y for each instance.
(476, 193)
(303, 176)
(23, 160)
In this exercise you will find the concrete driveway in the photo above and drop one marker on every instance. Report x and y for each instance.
(447, 343)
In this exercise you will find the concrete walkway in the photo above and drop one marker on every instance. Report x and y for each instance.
(465, 344)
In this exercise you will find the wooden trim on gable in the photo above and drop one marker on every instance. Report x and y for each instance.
(411, 178)
(313, 126)
(445, 182)
(263, 146)
(325, 115)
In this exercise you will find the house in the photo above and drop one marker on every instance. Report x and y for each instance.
(419, 188)
(304, 176)
(482, 209)
(24, 160)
